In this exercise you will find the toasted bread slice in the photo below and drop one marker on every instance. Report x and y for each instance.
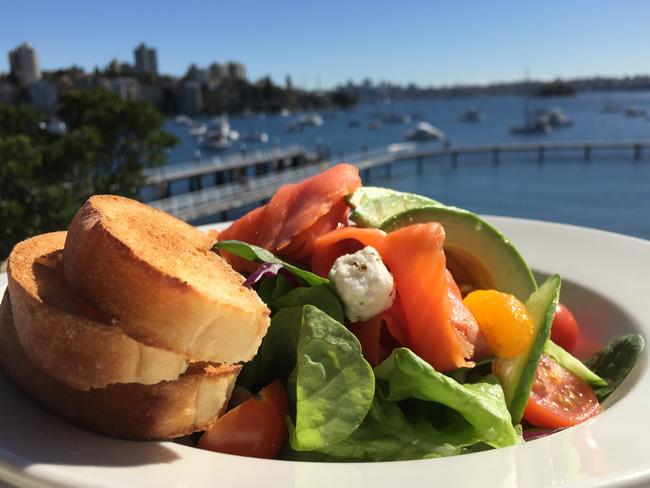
(158, 277)
(68, 337)
(130, 411)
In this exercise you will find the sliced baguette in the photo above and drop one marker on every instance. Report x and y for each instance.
(68, 337)
(158, 277)
(130, 411)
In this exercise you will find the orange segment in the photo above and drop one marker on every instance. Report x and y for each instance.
(503, 320)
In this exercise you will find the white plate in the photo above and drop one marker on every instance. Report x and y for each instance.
(606, 284)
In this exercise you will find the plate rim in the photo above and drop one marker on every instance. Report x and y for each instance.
(49, 475)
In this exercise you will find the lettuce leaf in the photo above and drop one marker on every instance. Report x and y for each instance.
(481, 404)
(418, 413)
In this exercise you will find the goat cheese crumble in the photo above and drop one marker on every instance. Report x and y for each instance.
(364, 284)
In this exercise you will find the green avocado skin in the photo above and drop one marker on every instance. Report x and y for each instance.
(476, 239)
(466, 234)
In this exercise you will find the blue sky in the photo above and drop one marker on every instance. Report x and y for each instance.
(328, 42)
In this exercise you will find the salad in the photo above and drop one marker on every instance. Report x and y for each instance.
(402, 328)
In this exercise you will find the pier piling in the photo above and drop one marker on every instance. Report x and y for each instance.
(243, 180)
(495, 156)
(454, 159)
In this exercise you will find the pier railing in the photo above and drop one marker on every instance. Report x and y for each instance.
(248, 190)
(220, 199)
(190, 169)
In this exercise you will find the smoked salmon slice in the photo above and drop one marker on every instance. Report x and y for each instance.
(345, 240)
(435, 324)
(298, 213)
(415, 256)
(474, 343)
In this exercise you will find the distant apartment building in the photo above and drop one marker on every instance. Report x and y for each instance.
(146, 60)
(236, 71)
(151, 93)
(43, 95)
(217, 72)
(23, 63)
(124, 87)
(8, 92)
(194, 73)
(192, 98)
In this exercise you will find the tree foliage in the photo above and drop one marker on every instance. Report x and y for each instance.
(45, 177)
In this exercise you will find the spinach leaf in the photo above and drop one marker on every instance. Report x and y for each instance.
(321, 296)
(615, 362)
(573, 364)
(334, 383)
(255, 253)
(276, 357)
(271, 289)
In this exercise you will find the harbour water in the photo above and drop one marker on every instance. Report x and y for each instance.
(611, 191)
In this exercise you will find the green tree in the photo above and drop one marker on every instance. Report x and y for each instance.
(45, 177)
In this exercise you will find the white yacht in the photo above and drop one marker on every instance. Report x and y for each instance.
(424, 131)
(220, 136)
(183, 120)
(197, 129)
(313, 120)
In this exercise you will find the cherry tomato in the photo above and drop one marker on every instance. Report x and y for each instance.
(559, 398)
(564, 331)
(256, 428)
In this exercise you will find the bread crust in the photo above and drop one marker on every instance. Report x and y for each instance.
(67, 336)
(130, 411)
(158, 277)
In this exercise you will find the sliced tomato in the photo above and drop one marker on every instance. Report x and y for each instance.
(564, 331)
(256, 428)
(559, 398)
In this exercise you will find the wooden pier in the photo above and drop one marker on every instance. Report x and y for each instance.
(219, 199)
(269, 175)
(228, 169)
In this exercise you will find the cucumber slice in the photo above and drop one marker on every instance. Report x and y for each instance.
(573, 364)
(517, 374)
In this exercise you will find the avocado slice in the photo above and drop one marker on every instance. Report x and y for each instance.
(517, 374)
(373, 205)
(478, 255)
